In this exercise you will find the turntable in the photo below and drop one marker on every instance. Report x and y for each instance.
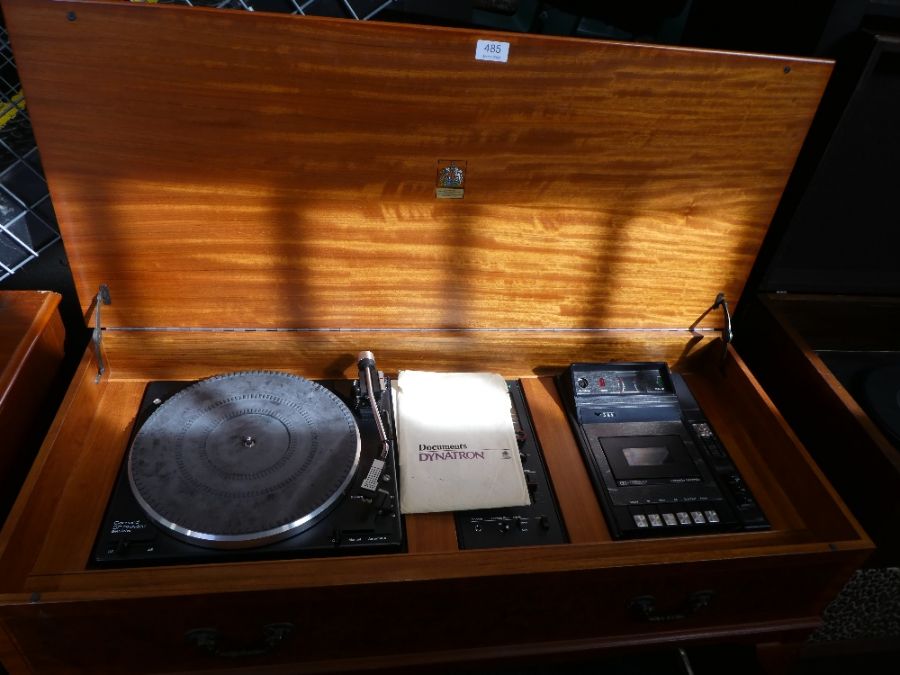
(257, 464)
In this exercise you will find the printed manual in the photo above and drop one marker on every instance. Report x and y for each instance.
(457, 446)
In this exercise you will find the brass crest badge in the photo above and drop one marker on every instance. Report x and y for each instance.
(451, 179)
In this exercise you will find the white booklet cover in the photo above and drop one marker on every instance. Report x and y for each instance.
(457, 447)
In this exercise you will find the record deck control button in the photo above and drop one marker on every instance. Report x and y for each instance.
(698, 518)
(712, 516)
(703, 430)
(744, 500)
(683, 518)
(640, 520)
(715, 450)
(669, 519)
(655, 520)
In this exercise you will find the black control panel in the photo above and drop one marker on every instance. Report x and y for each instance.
(538, 522)
(656, 463)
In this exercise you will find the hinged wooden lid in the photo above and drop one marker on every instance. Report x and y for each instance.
(235, 169)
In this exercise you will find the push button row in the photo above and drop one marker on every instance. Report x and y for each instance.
(706, 517)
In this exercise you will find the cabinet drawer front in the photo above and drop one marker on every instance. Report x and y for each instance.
(418, 622)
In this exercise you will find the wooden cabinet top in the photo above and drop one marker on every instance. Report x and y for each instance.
(226, 169)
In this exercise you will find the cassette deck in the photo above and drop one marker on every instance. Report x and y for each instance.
(656, 464)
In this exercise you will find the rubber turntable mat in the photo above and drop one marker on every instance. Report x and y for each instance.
(244, 458)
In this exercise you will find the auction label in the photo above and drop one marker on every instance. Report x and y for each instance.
(491, 50)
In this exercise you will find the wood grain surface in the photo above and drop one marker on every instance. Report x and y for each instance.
(31, 349)
(430, 533)
(24, 317)
(787, 478)
(224, 169)
(155, 355)
(23, 533)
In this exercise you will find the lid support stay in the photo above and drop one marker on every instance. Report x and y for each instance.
(102, 298)
(727, 331)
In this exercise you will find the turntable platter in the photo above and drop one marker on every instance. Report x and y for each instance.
(244, 459)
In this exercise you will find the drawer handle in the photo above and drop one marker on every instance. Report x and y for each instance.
(211, 641)
(643, 607)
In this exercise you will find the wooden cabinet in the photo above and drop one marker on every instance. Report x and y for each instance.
(260, 191)
(426, 604)
(818, 352)
(31, 348)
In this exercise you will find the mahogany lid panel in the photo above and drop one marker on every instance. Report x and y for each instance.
(237, 169)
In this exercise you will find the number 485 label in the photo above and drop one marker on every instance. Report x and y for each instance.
(490, 50)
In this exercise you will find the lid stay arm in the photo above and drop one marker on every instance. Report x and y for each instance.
(727, 331)
(102, 298)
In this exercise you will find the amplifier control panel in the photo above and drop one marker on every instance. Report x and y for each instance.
(538, 522)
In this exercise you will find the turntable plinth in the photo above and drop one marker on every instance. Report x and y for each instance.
(611, 192)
